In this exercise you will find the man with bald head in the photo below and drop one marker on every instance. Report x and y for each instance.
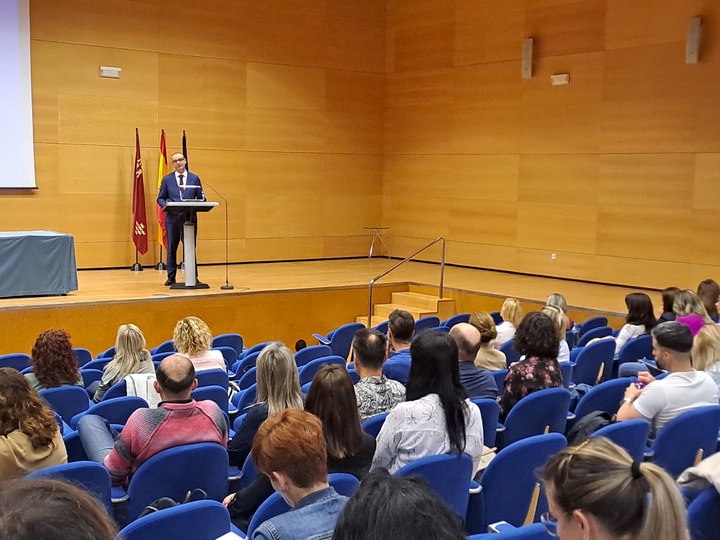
(478, 382)
(178, 420)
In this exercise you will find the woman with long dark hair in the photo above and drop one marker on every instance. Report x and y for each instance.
(537, 339)
(436, 417)
(639, 320)
(30, 437)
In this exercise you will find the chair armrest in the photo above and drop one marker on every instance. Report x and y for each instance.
(475, 488)
(570, 416)
(322, 339)
(500, 428)
(501, 527)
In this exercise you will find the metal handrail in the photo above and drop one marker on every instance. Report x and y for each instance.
(406, 259)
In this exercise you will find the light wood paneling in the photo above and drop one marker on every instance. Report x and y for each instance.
(566, 27)
(488, 32)
(564, 178)
(285, 87)
(557, 227)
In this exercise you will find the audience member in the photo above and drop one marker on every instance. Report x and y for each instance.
(332, 399)
(192, 338)
(639, 320)
(290, 450)
(437, 417)
(668, 298)
(537, 339)
(53, 362)
(34, 509)
(488, 357)
(401, 328)
(178, 420)
(690, 311)
(397, 508)
(597, 492)
(684, 389)
(478, 383)
(706, 351)
(278, 388)
(374, 391)
(709, 294)
(131, 357)
(557, 299)
(511, 313)
(559, 319)
(30, 437)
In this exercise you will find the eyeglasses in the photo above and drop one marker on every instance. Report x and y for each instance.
(178, 160)
(550, 523)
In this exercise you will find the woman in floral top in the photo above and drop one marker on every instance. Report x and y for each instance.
(537, 340)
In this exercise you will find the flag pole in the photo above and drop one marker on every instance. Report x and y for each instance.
(161, 265)
(137, 267)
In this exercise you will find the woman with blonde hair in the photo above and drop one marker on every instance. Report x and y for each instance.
(560, 321)
(596, 491)
(690, 311)
(278, 388)
(706, 351)
(192, 338)
(487, 356)
(131, 357)
(511, 313)
(557, 299)
(30, 437)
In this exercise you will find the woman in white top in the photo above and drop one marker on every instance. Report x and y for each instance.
(640, 319)
(192, 338)
(560, 321)
(437, 417)
(706, 351)
(511, 313)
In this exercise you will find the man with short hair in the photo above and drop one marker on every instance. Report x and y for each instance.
(178, 420)
(401, 328)
(374, 391)
(289, 448)
(478, 383)
(682, 390)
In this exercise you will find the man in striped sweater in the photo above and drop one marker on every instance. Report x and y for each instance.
(178, 420)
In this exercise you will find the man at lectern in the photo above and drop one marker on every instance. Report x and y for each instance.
(178, 186)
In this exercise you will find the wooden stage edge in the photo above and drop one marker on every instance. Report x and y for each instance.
(279, 300)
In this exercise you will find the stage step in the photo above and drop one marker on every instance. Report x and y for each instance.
(384, 310)
(376, 319)
(443, 308)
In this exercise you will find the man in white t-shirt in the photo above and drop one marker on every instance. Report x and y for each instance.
(682, 390)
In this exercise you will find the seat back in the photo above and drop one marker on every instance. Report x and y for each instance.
(90, 376)
(604, 397)
(107, 354)
(175, 471)
(91, 476)
(500, 375)
(249, 471)
(17, 361)
(592, 322)
(490, 413)
(116, 410)
(537, 412)
(342, 337)
(703, 515)
(164, 347)
(198, 520)
(634, 349)
(374, 424)
(593, 361)
(566, 368)
(246, 362)
(426, 323)
(73, 446)
(520, 461)
(245, 398)
(344, 483)
(118, 389)
(273, 506)
(67, 400)
(536, 531)
(496, 317)
(214, 393)
(212, 377)
(511, 355)
(159, 357)
(234, 341)
(312, 352)
(308, 371)
(594, 333)
(455, 319)
(248, 378)
(687, 439)
(100, 363)
(382, 327)
(229, 355)
(83, 356)
(448, 475)
(632, 435)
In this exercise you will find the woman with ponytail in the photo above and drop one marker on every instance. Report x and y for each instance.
(597, 492)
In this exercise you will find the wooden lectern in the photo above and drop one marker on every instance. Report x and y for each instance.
(189, 208)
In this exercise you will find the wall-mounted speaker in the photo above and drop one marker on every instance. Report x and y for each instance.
(527, 56)
(692, 48)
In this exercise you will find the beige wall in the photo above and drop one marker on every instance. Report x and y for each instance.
(617, 173)
(318, 117)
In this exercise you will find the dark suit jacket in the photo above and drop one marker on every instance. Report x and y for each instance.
(170, 192)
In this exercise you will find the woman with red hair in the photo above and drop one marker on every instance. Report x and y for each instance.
(53, 361)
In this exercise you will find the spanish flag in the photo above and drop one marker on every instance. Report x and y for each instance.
(162, 171)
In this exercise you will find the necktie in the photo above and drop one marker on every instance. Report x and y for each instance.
(182, 185)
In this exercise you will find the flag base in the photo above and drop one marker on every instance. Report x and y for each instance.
(161, 266)
(227, 287)
(137, 267)
(183, 286)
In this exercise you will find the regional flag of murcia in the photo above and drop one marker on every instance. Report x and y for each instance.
(139, 233)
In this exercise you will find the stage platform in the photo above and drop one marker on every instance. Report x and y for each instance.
(284, 300)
